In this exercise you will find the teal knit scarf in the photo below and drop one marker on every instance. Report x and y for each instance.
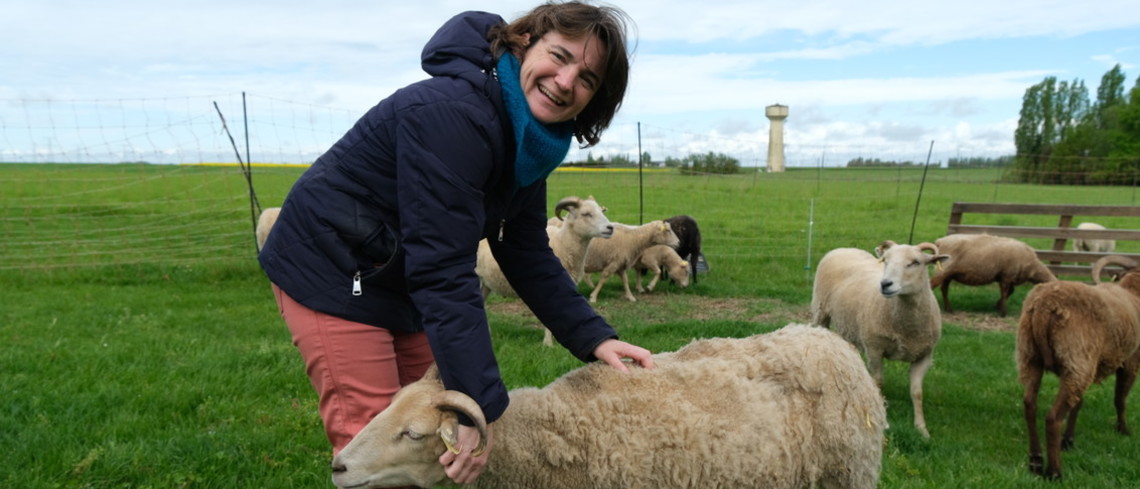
(540, 148)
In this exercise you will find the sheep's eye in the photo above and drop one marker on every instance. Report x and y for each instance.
(412, 435)
(915, 263)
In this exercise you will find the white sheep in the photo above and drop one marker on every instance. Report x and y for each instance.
(585, 220)
(620, 252)
(265, 222)
(1093, 245)
(1082, 334)
(789, 409)
(657, 258)
(884, 306)
(982, 259)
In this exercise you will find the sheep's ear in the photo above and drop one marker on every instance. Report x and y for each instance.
(883, 247)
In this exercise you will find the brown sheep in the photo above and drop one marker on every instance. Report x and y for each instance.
(1082, 333)
(982, 259)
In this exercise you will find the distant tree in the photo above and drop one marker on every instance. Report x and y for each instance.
(646, 159)
(621, 160)
(861, 162)
(1109, 94)
(1063, 139)
(979, 162)
(709, 163)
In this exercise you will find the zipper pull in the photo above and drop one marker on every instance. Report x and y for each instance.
(356, 284)
(502, 223)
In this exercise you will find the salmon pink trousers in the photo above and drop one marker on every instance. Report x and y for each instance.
(355, 368)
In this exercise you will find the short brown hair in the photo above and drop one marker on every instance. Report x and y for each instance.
(574, 20)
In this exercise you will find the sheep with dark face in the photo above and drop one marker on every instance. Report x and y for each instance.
(791, 409)
(689, 237)
(883, 306)
(982, 259)
(1082, 333)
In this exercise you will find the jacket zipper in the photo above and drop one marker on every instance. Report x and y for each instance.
(356, 290)
(502, 223)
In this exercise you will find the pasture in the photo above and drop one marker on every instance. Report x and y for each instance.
(142, 347)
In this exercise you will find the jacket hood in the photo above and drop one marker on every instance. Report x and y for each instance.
(460, 46)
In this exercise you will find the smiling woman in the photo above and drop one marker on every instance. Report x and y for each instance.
(372, 257)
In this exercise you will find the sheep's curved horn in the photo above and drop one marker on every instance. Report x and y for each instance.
(459, 402)
(933, 248)
(566, 204)
(1104, 261)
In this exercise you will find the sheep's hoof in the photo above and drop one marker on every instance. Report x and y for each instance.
(1037, 464)
(1123, 429)
(1067, 443)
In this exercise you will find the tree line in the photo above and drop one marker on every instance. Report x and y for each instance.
(1064, 137)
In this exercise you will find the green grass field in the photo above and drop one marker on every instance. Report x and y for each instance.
(142, 347)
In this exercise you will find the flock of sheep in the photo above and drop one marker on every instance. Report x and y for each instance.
(795, 408)
(1082, 333)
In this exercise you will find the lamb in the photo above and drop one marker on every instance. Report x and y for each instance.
(584, 221)
(1082, 333)
(789, 409)
(981, 259)
(658, 257)
(620, 253)
(883, 306)
(1093, 245)
(265, 222)
(690, 241)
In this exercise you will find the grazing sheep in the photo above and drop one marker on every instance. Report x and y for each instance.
(690, 241)
(790, 409)
(982, 259)
(883, 306)
(584, 221)
(1082, 333)
(1093, 245)
(620, 253)
(265, 222)
(658, 257)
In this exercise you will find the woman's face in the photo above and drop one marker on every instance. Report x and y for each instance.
(560, 75)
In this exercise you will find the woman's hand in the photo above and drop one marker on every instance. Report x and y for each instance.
(613, 351)
(464, 468)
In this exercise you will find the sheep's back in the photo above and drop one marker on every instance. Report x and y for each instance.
(1080, 329)
(981, 259)
(490, 275)
(846, 282)
(701, 412)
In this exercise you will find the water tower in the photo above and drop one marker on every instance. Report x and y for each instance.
(776, 114)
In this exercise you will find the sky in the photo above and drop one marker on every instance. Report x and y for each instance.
(871, 77)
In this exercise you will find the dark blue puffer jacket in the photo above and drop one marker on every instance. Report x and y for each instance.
(383, 228)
